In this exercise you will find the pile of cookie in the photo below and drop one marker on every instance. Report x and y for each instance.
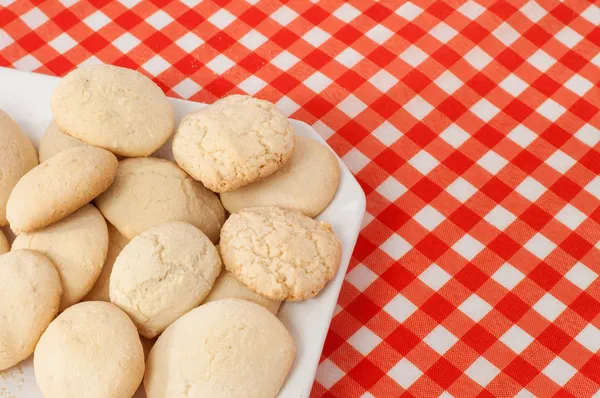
(113, 244)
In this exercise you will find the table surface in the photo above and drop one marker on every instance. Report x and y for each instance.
(472, 126)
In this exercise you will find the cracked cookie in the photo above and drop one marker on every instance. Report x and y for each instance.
(280, 254)
(59, 186)
(91, 350)
(233, 142)
(54, 141)
(306, 183)
(162, 274)
(4, 245)
(30, 292)
(226, 286)
(227, 348)
(114, 108)
(77, 246)
(17, 157)
(116, 243)
(149, 191)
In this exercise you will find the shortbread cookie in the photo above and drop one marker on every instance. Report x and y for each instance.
(4, 245)
(54, 141)
(224, 349)
(226, 286)
(17, 157)
(114, 108)
(116, 243)
(29, 297)
(233, 142)
(91, 350)
(280, 254)
(306, 183)
(59, 186)
(162, 274)
(149, 191)
(77, 246)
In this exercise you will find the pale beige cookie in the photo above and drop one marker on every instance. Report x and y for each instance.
(306, 183)
(4, 245)
(149, 191)
(280, 254)
(226, 286)
(17, 157)
(114, 108)
(77, 246)
(29, 296)
(91, 350)
(116, 243)
(59, 186)
(54, 141)
(162, 274)
(233, 142)
(224, 349)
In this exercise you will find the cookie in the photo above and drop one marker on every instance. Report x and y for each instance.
(280, 254)
(54, 141)
(227, 348)
(4, 245)
(91, 350)
(233, 142)
(116, 243)
(114, 108)
(226, 286)
(59, 186)
(162, 274)
(17, 157)
(77, 246)
(30, 293)
(306, 183)
(149, 191)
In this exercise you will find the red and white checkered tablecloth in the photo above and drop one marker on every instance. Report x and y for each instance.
(473, 127)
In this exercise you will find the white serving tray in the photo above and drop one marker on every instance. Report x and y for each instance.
(25, 97)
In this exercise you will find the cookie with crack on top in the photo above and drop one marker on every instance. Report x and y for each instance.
(17, 157)
(114, 108)
(55, 140)
(91, 350)
(4, 245)
(59, 186)
(227, 348)
(306, 183)
(149, 191)
(30, 292)
(162, 274)
(116, 243)
(77, 245)
(233, 142)
(280, 254)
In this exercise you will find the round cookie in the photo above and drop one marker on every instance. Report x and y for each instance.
(280, 254)
(91, 350)
(233, 142)
(149, 191)
(116, 243)
(4, 245)
(54, 141)
(306, 183)
(29, 297)
(227, 348)
(59, 186)
(226, 286)
(77, 246)
(113, 108)
(17, 157)
(162, 274)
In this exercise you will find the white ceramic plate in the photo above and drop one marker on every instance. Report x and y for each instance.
(25, 97)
